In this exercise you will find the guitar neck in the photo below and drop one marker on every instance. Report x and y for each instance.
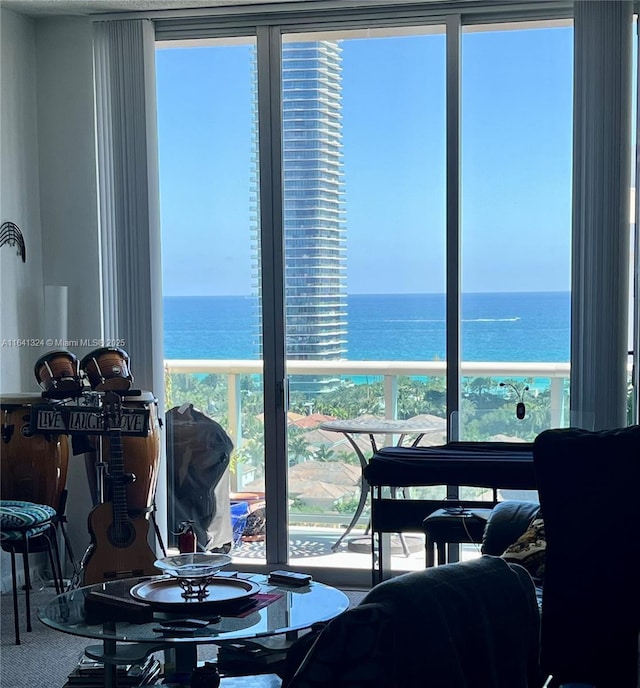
(116, 473)
(113, 420)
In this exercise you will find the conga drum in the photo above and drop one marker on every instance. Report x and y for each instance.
(33, 467)
(58, 371)
(107, 369)
(140, 457)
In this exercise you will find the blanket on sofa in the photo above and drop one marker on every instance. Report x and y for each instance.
(466, 625)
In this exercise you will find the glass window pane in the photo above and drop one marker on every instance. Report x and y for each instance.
(516, 229)
(364, 199)
(208, 195)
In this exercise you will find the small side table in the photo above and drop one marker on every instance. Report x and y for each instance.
(455, 525)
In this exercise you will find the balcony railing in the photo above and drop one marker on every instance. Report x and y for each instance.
(557, 375)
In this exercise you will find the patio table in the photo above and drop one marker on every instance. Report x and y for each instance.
(413, 427)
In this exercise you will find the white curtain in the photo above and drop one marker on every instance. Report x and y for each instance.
(601, 197)
(128, 193)
(124, 57)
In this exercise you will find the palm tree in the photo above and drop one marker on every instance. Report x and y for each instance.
(324, 453)
(298, 446)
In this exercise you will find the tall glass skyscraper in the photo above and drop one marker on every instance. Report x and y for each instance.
(314, 217)
(314, 205)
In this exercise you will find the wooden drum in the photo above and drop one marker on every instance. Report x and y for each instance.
(33, 467)
(107, 369)
(58, 370)
(140, 456)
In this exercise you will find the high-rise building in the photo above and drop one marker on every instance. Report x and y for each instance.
(314, 217)
(314, 206)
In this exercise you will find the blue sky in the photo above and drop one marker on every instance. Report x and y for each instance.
(516, 163)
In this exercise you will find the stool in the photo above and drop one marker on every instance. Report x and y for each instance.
(24, 526)
(454, 524)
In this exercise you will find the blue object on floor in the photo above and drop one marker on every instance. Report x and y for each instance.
(239, 513)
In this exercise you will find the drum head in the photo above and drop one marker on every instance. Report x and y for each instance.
(98, 353)
(55, 353)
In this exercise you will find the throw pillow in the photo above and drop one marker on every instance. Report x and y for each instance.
(529, 549)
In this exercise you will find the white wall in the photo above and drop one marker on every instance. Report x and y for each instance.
(48, 188)
(68, 200)
(20, 283)
(67, 163)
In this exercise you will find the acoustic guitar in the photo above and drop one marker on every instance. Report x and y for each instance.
(119, 547)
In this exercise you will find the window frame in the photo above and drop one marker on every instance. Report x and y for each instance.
(268, 28)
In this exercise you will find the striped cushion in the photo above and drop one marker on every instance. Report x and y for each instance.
(18, 519)
(14, 535)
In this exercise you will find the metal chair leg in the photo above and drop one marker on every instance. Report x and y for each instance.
(442, 552)
(27, 581)
(429, 551)
(54, 559)
(14, 578)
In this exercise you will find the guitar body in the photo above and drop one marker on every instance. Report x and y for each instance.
(119, 546)
(117, 551)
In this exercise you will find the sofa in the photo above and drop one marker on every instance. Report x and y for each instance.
(505, 535)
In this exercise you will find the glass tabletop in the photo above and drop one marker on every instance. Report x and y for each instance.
(286, 609)
(384, 425)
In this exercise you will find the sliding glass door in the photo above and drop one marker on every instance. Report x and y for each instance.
(364, 225)
(516, 228)
(208, 137)
(314, 249)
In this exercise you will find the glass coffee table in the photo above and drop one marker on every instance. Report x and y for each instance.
(273, 622)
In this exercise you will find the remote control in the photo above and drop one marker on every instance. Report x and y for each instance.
(290, 578)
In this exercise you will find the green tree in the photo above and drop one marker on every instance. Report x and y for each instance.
(324, 453)
(297, 445)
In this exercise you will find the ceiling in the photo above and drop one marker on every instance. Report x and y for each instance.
(43, 8)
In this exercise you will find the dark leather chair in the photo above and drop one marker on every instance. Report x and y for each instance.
(589, 484)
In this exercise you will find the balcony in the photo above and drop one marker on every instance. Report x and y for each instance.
(317, 520)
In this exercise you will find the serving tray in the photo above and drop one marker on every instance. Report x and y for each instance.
(168, 594)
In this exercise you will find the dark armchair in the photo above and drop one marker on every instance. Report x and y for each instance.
(589, 489)
(590, 593)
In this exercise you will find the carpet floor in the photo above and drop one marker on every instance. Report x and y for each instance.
(46, 657)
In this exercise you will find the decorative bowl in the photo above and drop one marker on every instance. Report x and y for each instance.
(193, 565)
(193, 572)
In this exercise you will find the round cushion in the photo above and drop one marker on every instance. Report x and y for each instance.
(19, 519)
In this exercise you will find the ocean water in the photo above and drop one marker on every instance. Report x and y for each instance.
(517, 326)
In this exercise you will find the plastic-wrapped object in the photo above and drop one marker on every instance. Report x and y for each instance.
(239, 514)
(255, 527)
(198, 454)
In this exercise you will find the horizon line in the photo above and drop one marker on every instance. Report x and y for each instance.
(401, 293)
